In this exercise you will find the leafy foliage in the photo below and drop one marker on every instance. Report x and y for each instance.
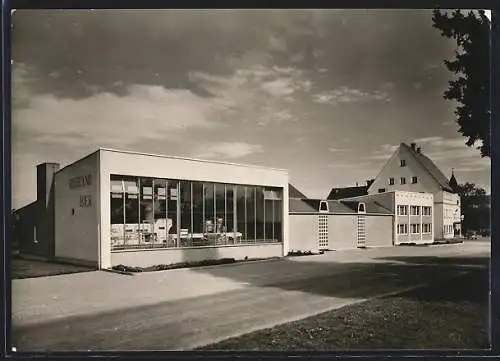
(474, 207)
(468, 190)
(471, 88)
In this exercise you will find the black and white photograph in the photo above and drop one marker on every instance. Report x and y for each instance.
(250, 180)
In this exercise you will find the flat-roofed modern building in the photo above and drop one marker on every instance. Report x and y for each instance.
(119, 207)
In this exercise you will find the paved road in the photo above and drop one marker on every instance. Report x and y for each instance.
(183, 309)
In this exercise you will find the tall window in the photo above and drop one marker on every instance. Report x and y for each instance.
(278, 218)
(259, 213)
(427, 211)
(391, 181)
(186, 228)
(208, 196)
(403, 180)
(172, 200)
(230, 208)
(131, 210)
(269, 221)
(427, 228)
(117, 211)
(220, 207)
(403, 228)
(414, 180)
(415, 228)
(197, 208)
(402, 210)
(415, 210)
(250, 214)
(146, 214)
(241, 223)
(160, 210)
(402, 163)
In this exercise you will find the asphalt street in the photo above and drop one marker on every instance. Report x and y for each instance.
(218, 302)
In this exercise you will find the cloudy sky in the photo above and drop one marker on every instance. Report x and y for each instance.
(326, 94)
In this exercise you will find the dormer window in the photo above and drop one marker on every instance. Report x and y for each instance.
(361, 208)
(323, 206)
(403, 163)
(391, 181)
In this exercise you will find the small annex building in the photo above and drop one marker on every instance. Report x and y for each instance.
(317, 224)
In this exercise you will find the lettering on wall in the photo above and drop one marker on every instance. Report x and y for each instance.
(80, 181)
(85, 201)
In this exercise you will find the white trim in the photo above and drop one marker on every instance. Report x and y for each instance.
(189, 158)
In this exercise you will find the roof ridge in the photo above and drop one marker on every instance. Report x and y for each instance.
(417, 157)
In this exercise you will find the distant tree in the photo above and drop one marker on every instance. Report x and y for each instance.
(476, 215)
(468, 190)
(471, 88)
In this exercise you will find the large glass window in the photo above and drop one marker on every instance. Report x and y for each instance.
(197, 209)
(241, 223)
(220, 207)
(273, 214)
(259, 213)
(209, 220)
(186, 229)
(172, 219)
(250, 213)
(117, 211)
(146, 210)
(278, 217)
(160, 210)
(152, 212)
(269, 220)
(230, 207)
(131, 210)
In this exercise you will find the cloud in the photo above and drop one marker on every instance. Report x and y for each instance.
(349, 95)
(276, 43)
(271, 116)
(383, 153)
(145, 112)
(335, 150)
(450, 153)
(228, 150)
(279, 88)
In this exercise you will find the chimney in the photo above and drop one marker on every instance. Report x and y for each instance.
(45, 178)
(419, 150)
(44, 222)
(413, 145)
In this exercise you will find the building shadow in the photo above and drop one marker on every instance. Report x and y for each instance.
(270, 286)
(364, 280)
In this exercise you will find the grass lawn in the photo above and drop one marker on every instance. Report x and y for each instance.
(24, 268)
(452, 315)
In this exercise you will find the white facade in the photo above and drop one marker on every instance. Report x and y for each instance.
(448, 214)
(82, 206)
(412, 218)
(410, 224)
(408, 169)
(304, 232)
(76, 210)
